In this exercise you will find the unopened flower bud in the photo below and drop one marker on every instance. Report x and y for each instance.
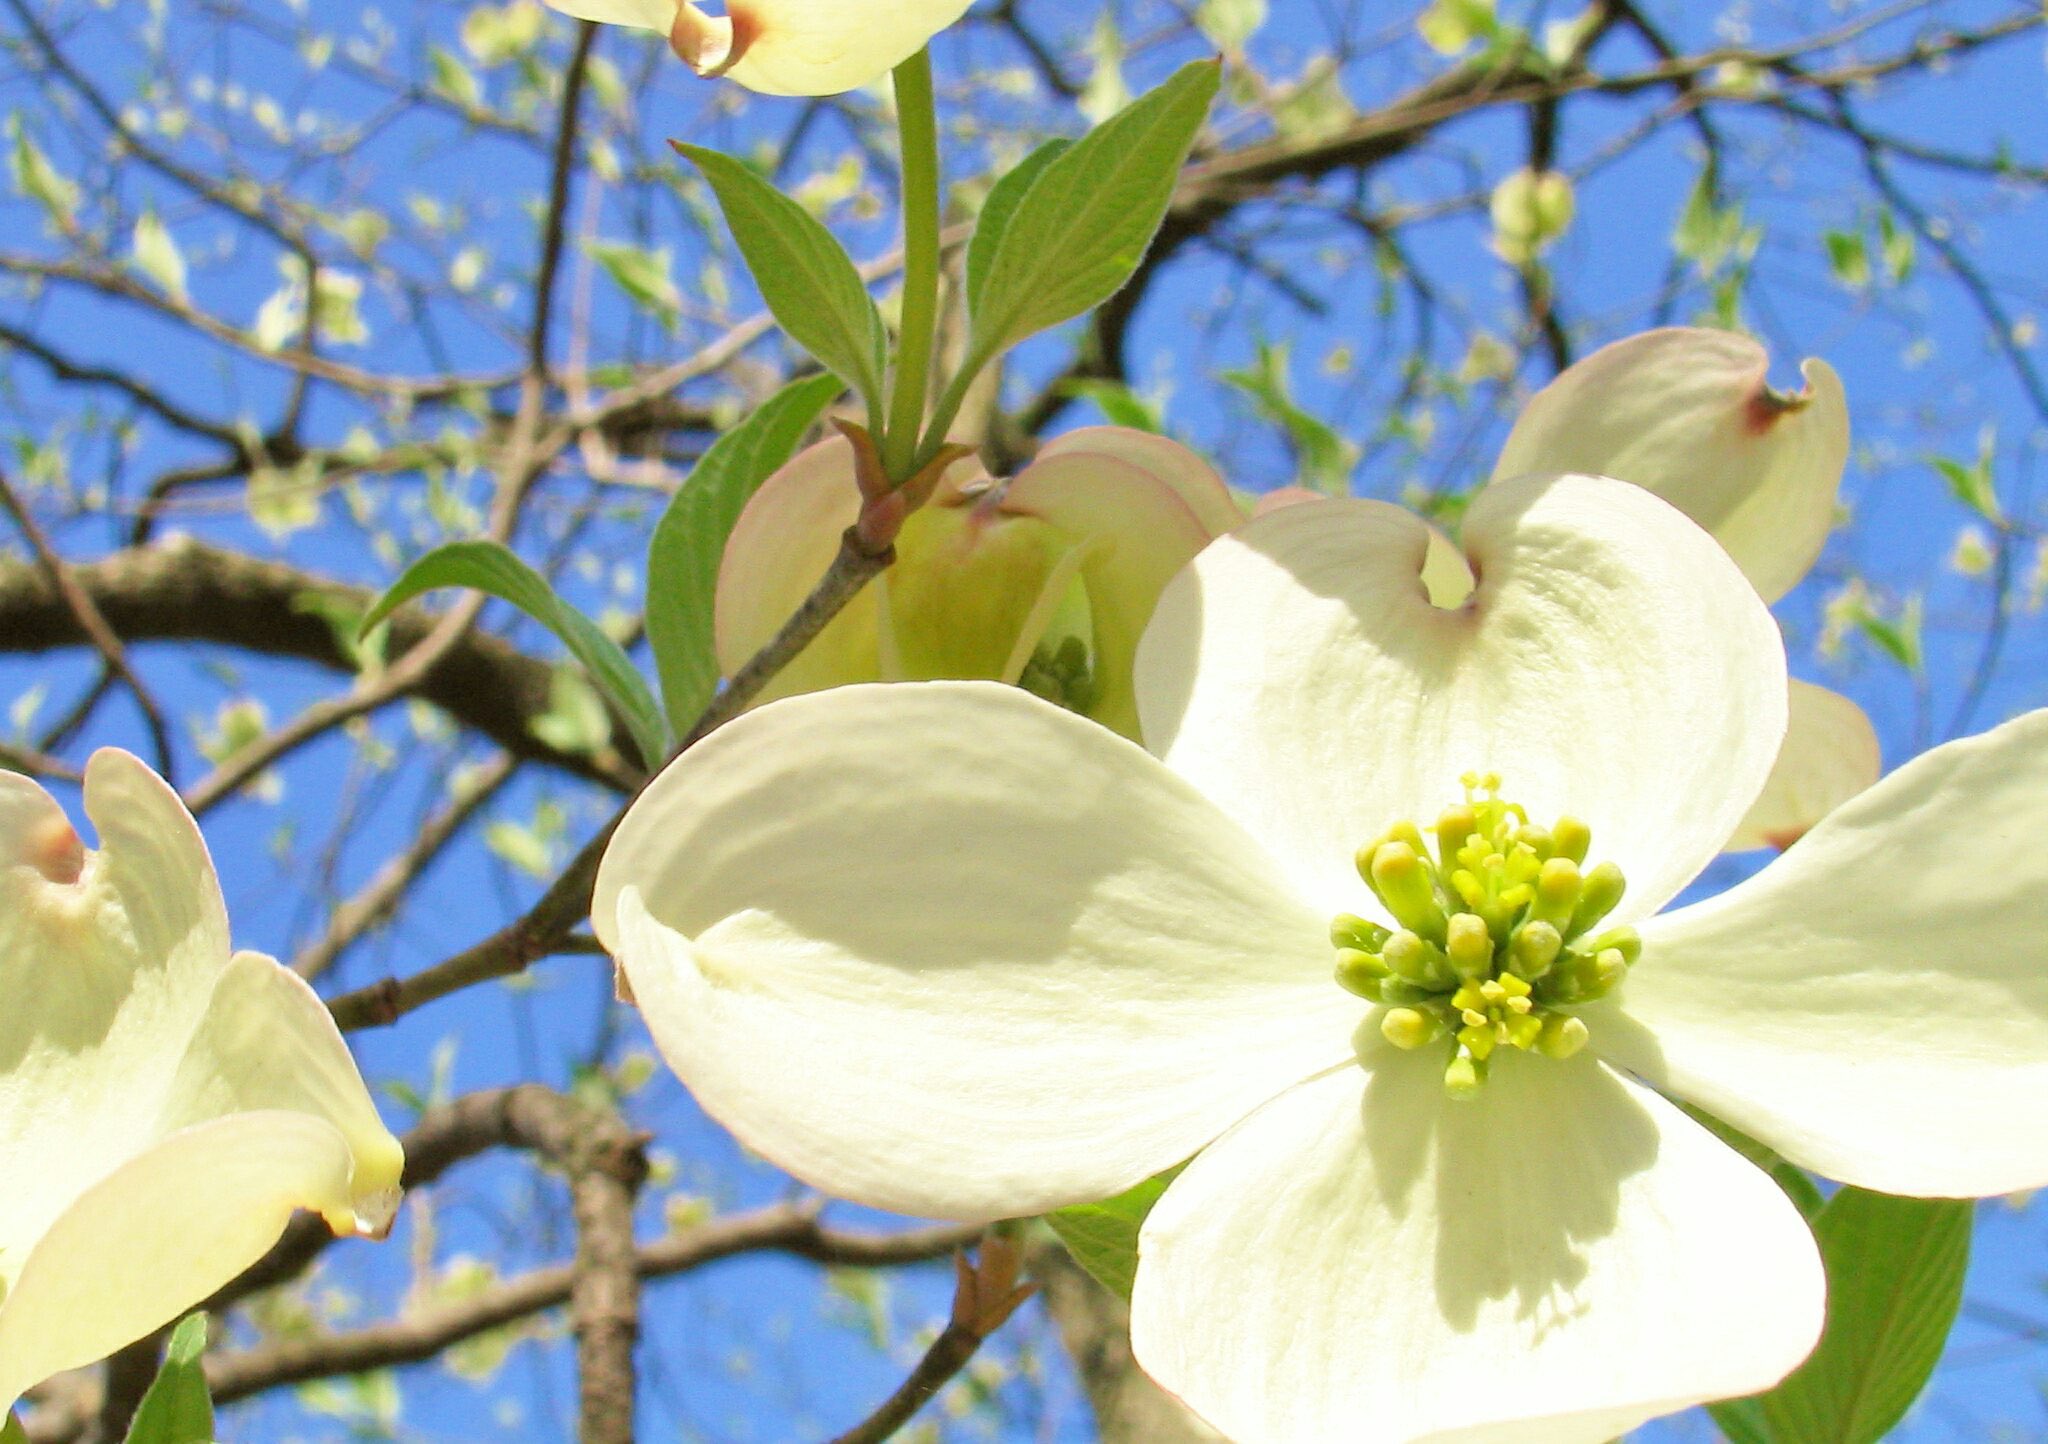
(1558, 887)
(1534, 948)
(1347, 930)
(1401, 878)
(1571, 838)
(1598, 896)
(1468, 945)
(1410, 1028)
(1361, 972)
(1562, 1036)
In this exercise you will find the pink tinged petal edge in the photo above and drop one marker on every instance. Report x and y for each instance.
(1088, 974)
(1191, 478)
(1612, 664)
(1687, 413)
(1873, 1004)
(1367, 1261)
(779, 548)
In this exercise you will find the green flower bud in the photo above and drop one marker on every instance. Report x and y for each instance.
(1598, 896)
(1410, 1028)
(1401, 879)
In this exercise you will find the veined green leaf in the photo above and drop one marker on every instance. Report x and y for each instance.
(997, 211)
(1103, 1237)
(1895, 1280)
(682, 559)
(804, 275)
(488, 567)
(177, 1409)
(1082, 225)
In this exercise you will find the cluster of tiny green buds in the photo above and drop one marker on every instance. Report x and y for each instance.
(1494, 938)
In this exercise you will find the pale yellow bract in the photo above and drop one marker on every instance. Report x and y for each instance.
(165, 1103)
(785, 47)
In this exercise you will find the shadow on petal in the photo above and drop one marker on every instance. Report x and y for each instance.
(1526, 1178)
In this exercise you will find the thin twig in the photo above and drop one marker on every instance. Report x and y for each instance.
(90, 622)
(381, 895)
(985, 1294)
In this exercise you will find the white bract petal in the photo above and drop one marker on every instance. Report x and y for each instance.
(656, 15)
(1688, 413)
(1555, 1261)
(947, 949)
(1611, 660)
(785, 47)
(1873, 1004)
(1829, 755)
(164, 1106)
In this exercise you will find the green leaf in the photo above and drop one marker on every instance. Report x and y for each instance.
(1080, 229)
(157, 256)
(453, 79)
(642, 274)
(1103, 1237)
(11, 1431)
(998, 211)
(1325, 457)
(1895, 1280)
(1848, 258)
(804, 275)
(1972, 485)
(490, 568)
(1118, 403)
(177, 1408)
(1896, 246)
(682, 559)
(1741, 1421)
(36, 178)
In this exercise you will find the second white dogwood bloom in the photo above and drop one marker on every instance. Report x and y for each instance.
(784, 47)
(946, 949)
(165, 1103)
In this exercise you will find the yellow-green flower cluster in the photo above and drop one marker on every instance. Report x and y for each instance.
(1493, 940)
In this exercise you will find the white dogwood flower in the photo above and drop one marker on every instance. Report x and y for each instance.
(946, 949)
(165, 1104)
(784, 47)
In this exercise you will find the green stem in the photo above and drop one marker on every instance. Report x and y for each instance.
(917, 121)
(948, 407)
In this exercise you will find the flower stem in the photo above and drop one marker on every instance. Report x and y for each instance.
(917, 122)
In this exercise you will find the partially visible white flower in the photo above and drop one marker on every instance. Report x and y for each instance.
(785, 47)
(165, 1104)
(945, 949)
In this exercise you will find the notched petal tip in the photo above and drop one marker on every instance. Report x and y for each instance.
(374, 1215)
(54, 849)
(710, 44)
